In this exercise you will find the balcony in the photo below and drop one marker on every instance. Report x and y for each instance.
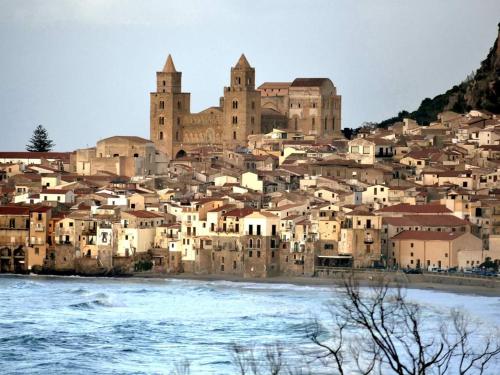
(368, 240)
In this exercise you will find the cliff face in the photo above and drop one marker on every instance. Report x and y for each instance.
(481, 91)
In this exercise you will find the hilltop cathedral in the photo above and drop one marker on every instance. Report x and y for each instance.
(307, 105)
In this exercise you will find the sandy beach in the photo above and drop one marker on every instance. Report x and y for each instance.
(491, 288)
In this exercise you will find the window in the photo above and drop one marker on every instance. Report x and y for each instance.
(12, 223)
(160, 136)
(235, 120)
(179, 105)
(234, 264)
(258, 254)
(313, 122)
(258, 230)
(164, 83)
(250, 229)
(162, 104)
(235, 104)
(411, 245)
(234, 135)
(314, 105)
(253, 105)
(252, 120)
(176, 135)
(250, 253)
(178, 120)
(161, 120)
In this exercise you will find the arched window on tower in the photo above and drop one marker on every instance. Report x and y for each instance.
(179, 105)
(161, 120)
(178, 120)
(252, 120)
(253, 104)
(235, 104)
(162, 104)
(326, 120)
(296, 123)
(160, 136)
(234, 135)
(313, 122)
(235, 119)
(177, 136)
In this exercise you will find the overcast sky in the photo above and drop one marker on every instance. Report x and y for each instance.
(84, 68)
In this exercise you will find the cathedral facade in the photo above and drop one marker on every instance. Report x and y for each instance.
(307, 105)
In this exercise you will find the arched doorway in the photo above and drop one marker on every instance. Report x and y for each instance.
(5, 258)
(19, 261)
(180, 154)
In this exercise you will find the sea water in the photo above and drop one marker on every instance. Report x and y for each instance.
(65, 325)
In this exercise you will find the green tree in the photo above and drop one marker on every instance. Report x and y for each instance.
(40, 141)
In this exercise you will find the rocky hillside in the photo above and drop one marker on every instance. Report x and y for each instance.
(479, 91)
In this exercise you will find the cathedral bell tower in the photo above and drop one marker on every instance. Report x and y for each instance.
(167, 106)
(241, 106)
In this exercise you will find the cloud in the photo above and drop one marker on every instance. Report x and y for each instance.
(106, 12)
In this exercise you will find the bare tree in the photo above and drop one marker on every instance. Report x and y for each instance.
(379, 331)
(268, 361)
(181, 368)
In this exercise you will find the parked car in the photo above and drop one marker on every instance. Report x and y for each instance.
(452, 270)
(435, 269)
(412, 271)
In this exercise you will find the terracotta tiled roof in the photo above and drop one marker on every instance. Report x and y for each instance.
(274, 85)
(54, 191)
(418, 209)
(425, 221)
(142, 214)
(14, 210)
(308, 82)
(240, 212)
(35, 155)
